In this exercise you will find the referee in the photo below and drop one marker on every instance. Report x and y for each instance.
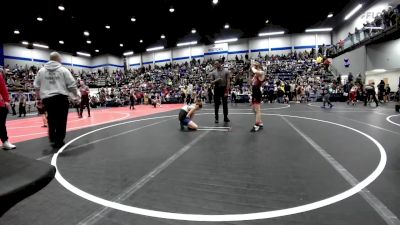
(53, 84)
(221, 80)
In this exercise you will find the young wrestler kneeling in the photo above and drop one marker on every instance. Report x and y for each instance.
(186, 115)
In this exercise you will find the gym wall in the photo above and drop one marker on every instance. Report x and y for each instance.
(377, 62)
(20, 55)
(275, 45)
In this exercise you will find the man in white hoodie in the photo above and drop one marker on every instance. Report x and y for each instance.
(53, 84)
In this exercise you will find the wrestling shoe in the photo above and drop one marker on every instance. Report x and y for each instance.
(255, 128)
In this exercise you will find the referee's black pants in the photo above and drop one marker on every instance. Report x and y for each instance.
(219, 93)
(57, 114)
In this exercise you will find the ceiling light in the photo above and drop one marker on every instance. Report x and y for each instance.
(193, 31)
(358, 7)
(39, 19)
(187, 43)
(86, 33)
(128, 53)
(215, 2)
(379, 70)
(267, 21)
(61, 42)
(330, 15)
(108, 27)
(226, 26)
(141, 41)
(83, 54)
(271, 33)
(162, 36)
(133, 19)
(25, 43)
(89, 41)
(155, 48)
(40, 45)
(226, 40)
(319, 30)
(16, 32)
(96, 50)
(171, 9)
(121, 45)
(61, 7)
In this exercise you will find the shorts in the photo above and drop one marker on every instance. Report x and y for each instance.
(256, 96)
(186, 121)
(183, 118)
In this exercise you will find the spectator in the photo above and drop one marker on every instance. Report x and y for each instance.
(12, 103)
(387, 93)
(370, 93)
(4, 109)
(22, 104)
(381, 91)
(350, 78)
(53, 84)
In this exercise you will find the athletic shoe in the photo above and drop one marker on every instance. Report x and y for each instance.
(216, 121)
(8, 146)
(227, 120)
(331, 106)
(255, 128)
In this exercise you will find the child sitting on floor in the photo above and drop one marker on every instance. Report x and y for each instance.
(186, 114)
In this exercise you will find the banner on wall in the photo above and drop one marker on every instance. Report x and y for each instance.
(216, 51)
(223, 47)
(370, 14)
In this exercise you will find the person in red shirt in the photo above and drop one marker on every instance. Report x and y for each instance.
(4, 109)
(256, 83)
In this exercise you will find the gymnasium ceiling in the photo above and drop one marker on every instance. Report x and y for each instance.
(153, 18)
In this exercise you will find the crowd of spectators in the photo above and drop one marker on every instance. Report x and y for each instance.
(382, 22)
(297, 76)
